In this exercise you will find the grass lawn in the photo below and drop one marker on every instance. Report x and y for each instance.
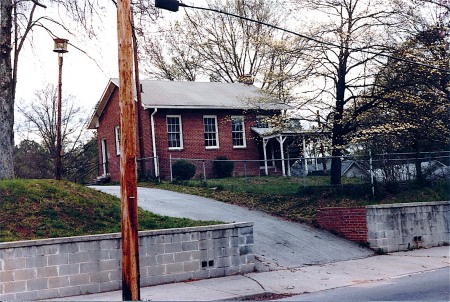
(287, 197)
(268, 184)
(37, 209)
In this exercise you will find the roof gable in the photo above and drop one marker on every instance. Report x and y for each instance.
(100, 106)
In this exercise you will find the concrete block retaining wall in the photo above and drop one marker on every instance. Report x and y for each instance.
(398, 227)
(59, 267)
(391, 227)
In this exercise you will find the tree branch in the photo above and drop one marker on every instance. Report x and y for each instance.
(38, 4)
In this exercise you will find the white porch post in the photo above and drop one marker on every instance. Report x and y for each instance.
(266, 169)
(304, 155)
(281, 140)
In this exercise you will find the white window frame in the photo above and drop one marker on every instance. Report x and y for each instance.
(174, 132)
(263, 121)
(242, 131)
(117, 139)
(215, 132)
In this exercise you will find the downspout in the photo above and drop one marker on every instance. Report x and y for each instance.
(155, 158)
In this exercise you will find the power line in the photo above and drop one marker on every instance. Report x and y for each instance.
(174, 5)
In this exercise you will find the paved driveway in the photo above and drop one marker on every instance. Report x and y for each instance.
(278, 243)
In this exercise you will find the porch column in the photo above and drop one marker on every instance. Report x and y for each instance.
(281, 140)
(266, 169)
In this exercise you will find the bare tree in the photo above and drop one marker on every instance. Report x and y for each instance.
(171, 55)
(219, 47)
(41, 117)
(19, 18)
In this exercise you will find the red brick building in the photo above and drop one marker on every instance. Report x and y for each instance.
(192, 120)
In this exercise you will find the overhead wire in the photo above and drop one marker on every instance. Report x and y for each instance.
(317, 40)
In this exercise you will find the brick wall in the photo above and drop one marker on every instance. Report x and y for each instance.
(109, 119)
(53, 268)
(193, 138)
(350, 222)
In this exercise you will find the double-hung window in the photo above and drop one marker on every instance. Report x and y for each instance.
(238, 131)
(174, 132)
(210, 131)
(117, 139)
(262, 121)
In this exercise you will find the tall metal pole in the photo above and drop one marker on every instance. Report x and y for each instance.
(128, 182)
(58, 120)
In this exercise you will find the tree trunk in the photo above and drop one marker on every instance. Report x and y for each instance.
(420, 178)
(6, 93)
(337, 140)
(336, 167)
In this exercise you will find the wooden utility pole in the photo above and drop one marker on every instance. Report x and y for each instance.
(128, 185)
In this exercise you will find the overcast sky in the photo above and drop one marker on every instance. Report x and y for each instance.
(84, 75)
(86, 70)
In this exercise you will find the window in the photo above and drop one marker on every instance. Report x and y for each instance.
(117, 139)
(174, 133)
(262, 121)
(211, 135)
(238, 131)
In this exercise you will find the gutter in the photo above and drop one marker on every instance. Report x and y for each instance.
(155, 158)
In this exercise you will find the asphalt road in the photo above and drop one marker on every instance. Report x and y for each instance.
(279, 244)
(426, 286)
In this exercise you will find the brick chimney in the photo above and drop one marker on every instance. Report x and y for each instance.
(246, 79)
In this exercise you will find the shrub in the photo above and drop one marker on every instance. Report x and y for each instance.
(183, 170)
(222, 167)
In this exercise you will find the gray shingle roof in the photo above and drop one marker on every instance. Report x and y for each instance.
(171, 94)
(193, 95)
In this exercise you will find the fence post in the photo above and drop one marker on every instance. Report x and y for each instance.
(305, 171)
(288, 163)
(204, 171)
(170, 166)
(245, 175)
(408, 172)
(371, 173)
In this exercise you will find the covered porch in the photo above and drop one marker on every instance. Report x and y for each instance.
(279, 147)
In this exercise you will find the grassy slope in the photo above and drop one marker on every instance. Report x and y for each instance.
(36, 209)
(285, 197)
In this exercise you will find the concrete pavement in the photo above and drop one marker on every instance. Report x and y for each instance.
(291, 281)
(279, 244)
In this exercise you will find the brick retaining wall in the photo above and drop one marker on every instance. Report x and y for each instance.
(350, 222)
(59, 267)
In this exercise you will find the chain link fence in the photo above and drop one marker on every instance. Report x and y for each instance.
(146, 170)
(377, 169)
